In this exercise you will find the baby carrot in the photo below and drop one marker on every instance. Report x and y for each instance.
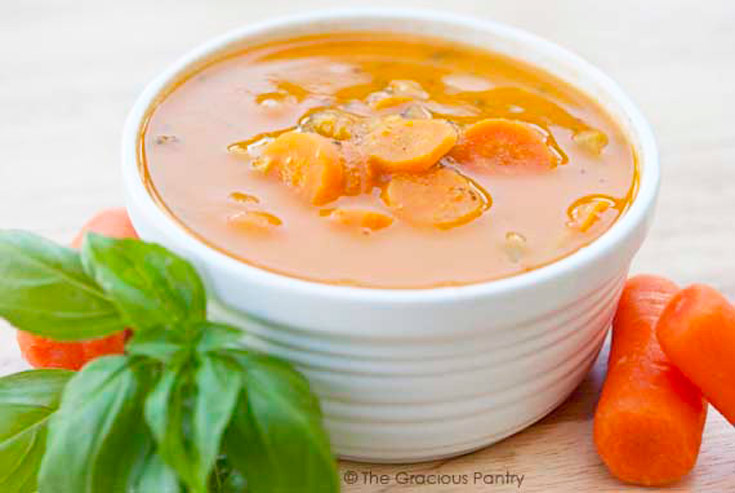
(114, 223)
(649, 420)
(42, 352)
(697, 332)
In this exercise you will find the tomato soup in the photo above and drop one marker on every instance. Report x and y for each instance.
(385, 161)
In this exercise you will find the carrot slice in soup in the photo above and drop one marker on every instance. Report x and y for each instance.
(400, 145)
(442, 198)
(254, 221)
(308, 163)
(589, 211)
(500, 143)
(362, 219)
(359, 175)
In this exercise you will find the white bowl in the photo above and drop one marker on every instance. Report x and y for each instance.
(413, 375)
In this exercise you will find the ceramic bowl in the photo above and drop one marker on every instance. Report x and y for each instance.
(413, 375)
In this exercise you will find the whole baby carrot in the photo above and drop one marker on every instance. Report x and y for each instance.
(649, 420)
(697, 333)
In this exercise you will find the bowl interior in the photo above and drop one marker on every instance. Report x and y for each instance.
(491, 36)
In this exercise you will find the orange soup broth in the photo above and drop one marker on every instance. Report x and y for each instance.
(265, 89)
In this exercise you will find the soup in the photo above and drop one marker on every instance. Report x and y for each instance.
(386, 161)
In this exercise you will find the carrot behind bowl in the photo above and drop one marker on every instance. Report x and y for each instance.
(650, 417)
(42, 352)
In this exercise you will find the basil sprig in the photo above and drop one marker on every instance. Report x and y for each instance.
(187, 409)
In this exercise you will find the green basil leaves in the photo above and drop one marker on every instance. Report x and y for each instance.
(186, 410)
(27, 400)
(276, 437)
(151, 286)
(44, 290)
(97, 437)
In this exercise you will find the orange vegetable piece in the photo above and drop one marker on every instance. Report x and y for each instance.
(114, 223)
(587, 211)
(359, 175)
(441, 197)
(360, 219)
(498, 143)
(398, 145)
(254, 221)
(697, 332)
(41, 352)
(308, 163)
(649, 420)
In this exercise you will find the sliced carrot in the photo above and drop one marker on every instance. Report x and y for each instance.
(359, 175)
(697, 332)
(42, 352)
(244, 198)
(400, 145)
(649, 420)
(441, 197)
(308, 163)
(254, 221)
(500, 144)
(360, 219)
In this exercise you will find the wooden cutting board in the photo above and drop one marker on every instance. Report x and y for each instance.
(69, 71)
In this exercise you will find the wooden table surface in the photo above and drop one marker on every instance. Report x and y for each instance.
(69, 71)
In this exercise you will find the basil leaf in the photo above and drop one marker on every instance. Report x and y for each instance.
(97, 439)
(188, 411)
(225, 479)
(166, 345)
(160, 344)
(215, 337)
(276, 438)
(44, 290)
(156, 477)
(27, 400)
(150, 285)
